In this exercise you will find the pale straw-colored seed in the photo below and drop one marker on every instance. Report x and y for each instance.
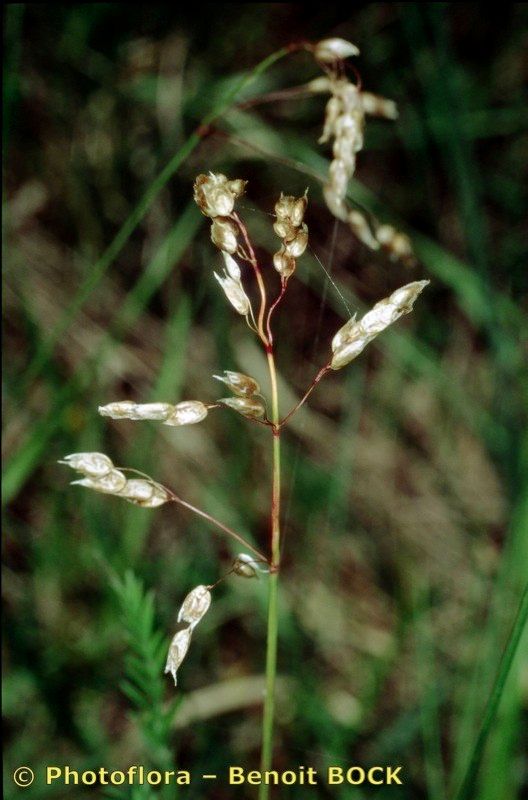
(332, 111)
(334, 49)
(379, 106)
(224, 235)
(361, 228)
(111, 483)
(249, 407)
(126, 409)
(177, 651)
(347, 333)
(188, 412)
(319, 85)
(245, 566)
(235, 293)
(284, 228)
(284, 263)
(143, 493)
(240, 384)
(335, 203)
(231, 267)
(296, 247)
(195, 606)
(347, 352)
(93, 465)
(395, 242)
(215, 195)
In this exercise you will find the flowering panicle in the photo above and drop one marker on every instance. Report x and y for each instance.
(192, 610)
(289, 226)
(188, 412)
(353, 337)
(100, 475)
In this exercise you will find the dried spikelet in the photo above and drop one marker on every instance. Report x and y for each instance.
(224, 234)
(187, 412)
(127, 409)
(195, 606)
(177, 651)
(353, 337)
(246, 566)
(331, 50)
(248, 407)
(215, 195)
(111, 483)
(93, 465)
(144, 493)
(234, 291)
(240, 384)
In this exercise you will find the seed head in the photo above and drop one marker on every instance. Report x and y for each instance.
(177, 651)
(331, 50)
(240, 384)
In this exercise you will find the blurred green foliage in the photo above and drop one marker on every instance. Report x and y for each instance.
(406, 502)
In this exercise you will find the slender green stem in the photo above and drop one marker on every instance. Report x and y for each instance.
(271, 654)
(467, 788)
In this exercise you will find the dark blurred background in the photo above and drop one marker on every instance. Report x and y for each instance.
(405, 503)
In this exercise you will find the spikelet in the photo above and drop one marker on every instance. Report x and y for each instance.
(93, 465)
(353, 337)
(240, 384)
(195, 605)
(247, 406)
(111, 483)
(215, 195)
(331, 50)
(188, 412)
(246, 566)
(234, 291)
(177, 652)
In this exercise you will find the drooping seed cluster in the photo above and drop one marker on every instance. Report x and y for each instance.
(192, 610)
(100, 475)
(248, 400)
(344, 124)
(353, 337)
(187, 412)
(231, 283)
(289, 226)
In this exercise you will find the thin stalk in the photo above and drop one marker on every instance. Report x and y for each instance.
(320, 375)
(271, 651)
(230, 532)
